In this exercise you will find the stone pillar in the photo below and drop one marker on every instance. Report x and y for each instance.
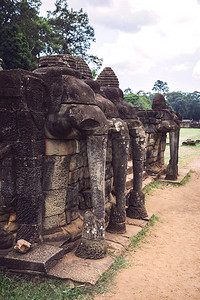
(120, 147)
(1, 61)
(92, 243)
(136, 198)
(172, 168)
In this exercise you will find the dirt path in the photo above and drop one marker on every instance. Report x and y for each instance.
(168, 265)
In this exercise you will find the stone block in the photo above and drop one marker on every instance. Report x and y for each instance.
(109, 171)
(86, 173)
(72, 198)
(4, 217)
(29, 148)
(58, 236)
(108, 186)
(150, 142)
(54, 221)
(56, 170)
(74, 213)
(55, 202)
(75, 176)
(109, 154)
(163, 145)
(81, 270)
(76, 162)
(87, 198)
(58, 147)
(29, 232)
(82, 205)
(40, 259)
(84, 184)
(30, 125)
(8, 129)
(152, 159)
(28, 181)
(74, 229)
(11, 227)
(29, 208)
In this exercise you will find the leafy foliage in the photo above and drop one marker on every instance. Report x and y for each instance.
(187, 104)
(63, 31)
(14, 48)
(160, 86)
(140, 101)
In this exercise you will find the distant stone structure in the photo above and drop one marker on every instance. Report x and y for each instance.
(64, 146)
(190, 124)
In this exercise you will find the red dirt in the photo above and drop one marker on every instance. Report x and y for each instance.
(167, 266)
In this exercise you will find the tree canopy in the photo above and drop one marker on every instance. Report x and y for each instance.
(160, 87)
(25, 36)
(187, 104)
(142, 101)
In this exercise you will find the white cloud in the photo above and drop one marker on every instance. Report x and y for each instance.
(179, 68)
(196, 70)
(138, 37)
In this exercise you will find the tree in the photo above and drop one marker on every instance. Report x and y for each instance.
(128, 91)
(64, 31)
(25, 15)
(71, 32)
(160, 86)
(14, 49)
(142, 102)
(187, 104)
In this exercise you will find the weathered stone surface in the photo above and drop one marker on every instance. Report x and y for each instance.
(6, 239)
(76, 162)
(40, 259)
(56, 147)
(75, 176)
(54, 221)
(81, 270)
(83, 68)
(56, 169)
(55, 126)
(55, 202)
(117, 238)
(159, 102)
(74, 229)
(57, 60)
(136, 222)
(108, 78)
(72, 198)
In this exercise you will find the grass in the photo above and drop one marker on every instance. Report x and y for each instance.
(186, 178)
(139, 238)
(148, 189)
(186, 153)
(14, 287)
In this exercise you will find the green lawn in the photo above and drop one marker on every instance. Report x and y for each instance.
(186, 153)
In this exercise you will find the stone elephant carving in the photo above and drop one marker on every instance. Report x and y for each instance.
(75, 105)
(110, 90)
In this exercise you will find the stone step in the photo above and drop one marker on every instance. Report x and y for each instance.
(39, 259)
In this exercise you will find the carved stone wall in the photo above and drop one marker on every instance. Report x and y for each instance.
(50, 120)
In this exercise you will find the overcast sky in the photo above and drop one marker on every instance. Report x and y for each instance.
(146, 40)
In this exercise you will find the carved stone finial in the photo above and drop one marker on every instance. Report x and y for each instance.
(159, 102)
(59, 60)
(83, 68)
(108, 78)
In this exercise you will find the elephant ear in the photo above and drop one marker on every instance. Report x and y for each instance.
(36, 95)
